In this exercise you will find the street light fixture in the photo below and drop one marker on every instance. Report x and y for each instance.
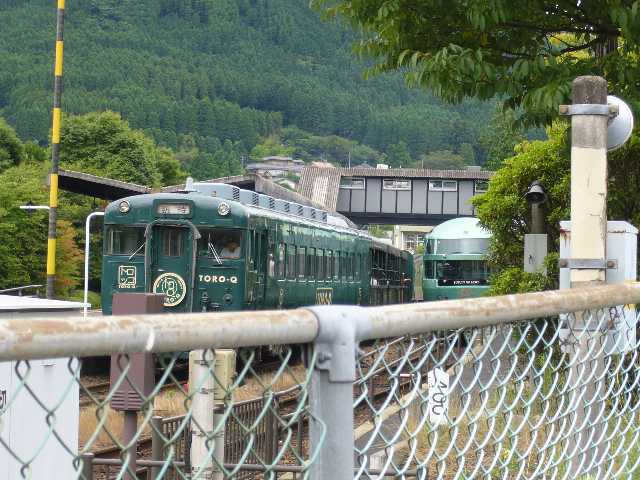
(536, 196)
(30, 207)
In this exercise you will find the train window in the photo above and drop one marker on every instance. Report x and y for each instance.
(336, 265)
(428, 269)
(281, 260)
(220, 243)
(311, 263)
(358, 266)
(125, 240)
(301, 261)
(291, 261)
(172, 239)
(320, 264)
(329, 264)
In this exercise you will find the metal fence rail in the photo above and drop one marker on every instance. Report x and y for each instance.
(527, 386)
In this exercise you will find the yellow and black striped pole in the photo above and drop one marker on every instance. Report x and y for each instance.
(55, 151)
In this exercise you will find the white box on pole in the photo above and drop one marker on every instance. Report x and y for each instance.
(621, 247)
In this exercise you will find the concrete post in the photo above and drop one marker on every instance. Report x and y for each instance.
(87, 466)
(588, 248)
(207, 408)
(157, 447)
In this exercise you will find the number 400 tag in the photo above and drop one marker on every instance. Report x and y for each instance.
(438, 395)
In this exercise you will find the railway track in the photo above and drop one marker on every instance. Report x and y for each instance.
(288, 398)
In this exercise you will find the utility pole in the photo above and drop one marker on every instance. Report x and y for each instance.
(55, 151)
(589, 119)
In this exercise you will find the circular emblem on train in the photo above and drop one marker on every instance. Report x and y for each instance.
(172, 286)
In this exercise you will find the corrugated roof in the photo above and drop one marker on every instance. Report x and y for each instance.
(323, 184)
(417, 173)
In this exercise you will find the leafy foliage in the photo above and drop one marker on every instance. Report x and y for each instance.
(11, 150)
(23, 249)
(504, 210)
(218, 71)
(103, 144)
(526, 52)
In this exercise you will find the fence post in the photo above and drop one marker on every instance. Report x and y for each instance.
(87, 466)
(588, 260)
(157, 444)
(331, 400)
(208, 400)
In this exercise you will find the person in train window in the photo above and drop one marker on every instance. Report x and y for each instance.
(231, 250)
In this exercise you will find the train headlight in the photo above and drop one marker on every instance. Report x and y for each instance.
(124, 207)
(224, 209)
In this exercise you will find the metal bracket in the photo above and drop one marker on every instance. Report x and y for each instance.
(587, 264)
(609, 110)
(336, 346)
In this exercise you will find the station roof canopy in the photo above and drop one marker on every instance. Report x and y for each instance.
(12, 303)
(110, 189)
(98, 187)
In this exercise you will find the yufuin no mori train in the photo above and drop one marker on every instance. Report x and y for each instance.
(217, 247)
(455, 260)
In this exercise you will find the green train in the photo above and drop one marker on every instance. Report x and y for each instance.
(454, 262)
(217, 247)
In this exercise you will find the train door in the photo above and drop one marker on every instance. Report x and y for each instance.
(171, 268)
(260, 250)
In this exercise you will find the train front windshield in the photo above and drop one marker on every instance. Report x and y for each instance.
(220, 243)
(452, 246)
(458, 272)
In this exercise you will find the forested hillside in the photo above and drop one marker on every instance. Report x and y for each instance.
(243, 77)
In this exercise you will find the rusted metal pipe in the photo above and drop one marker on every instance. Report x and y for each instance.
(31, 337)
(396, 320)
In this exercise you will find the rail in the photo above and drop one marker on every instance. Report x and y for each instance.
(39, 337)
(20, 290)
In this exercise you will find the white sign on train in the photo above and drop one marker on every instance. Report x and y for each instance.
(438, 396)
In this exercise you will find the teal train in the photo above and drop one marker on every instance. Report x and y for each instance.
(217, 247)
(455, 260)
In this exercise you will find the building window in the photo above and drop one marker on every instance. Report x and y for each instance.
(443, 185)
(396, 184)
(413, 240)
(352, 183)
(481, 186)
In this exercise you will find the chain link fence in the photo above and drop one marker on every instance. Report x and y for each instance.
(520, 387)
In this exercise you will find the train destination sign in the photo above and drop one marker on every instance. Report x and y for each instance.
(449, 282)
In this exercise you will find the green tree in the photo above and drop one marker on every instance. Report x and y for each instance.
(24, 246)
(467, 153)
(398, 155)
(504, 210)
(11, 148)
(442, 160)
(501, 138)
(103, 144)
(526, 52)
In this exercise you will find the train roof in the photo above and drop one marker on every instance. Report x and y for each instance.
(462, 227)
(238, 211)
